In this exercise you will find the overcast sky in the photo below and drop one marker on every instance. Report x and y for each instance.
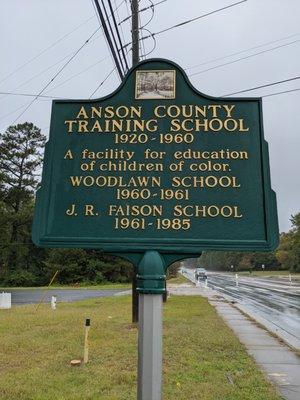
(270, 27)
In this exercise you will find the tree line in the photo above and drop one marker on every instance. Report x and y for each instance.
(24, 264)
(285, 257)
(21, 262)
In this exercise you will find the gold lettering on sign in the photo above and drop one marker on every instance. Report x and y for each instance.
(135, 210)
(71, 211)
(96, 127)
(189, 111)
(212, 211)
(241, 125)
(110, 112)
(220, 154)
(228, 110)
(113, 181)
(82, 113)
(214, 108)
(125, 141)
(89, 210)
(189, 127)
(82, 126)
(205, 181)
(68, 155)
(69, 124)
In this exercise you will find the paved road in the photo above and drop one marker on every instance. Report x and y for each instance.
(273, 299)
(32, 296)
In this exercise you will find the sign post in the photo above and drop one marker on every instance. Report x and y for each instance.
(150, 347)
(156, 172)
(150, 288)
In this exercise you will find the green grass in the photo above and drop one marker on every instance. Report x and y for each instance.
(271, 274)
(178, 280)
(125, 286)
(202, 358)
(103, 286)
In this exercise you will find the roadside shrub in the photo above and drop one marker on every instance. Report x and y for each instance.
(20, 278)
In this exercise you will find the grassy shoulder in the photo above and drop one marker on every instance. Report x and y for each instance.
(202, 357)
(122, 286)
(103, 286)
(178, 280)
(270, 274)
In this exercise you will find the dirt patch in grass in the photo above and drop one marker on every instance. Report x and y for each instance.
(202, 358)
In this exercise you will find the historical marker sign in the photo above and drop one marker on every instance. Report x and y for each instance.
(157, 165)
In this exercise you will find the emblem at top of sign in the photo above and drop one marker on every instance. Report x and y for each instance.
(155, 84)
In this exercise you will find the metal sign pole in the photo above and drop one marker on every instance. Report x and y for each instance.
(151, 287)
(150, 347)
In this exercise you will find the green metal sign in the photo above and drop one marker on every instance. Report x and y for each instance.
(157, 166)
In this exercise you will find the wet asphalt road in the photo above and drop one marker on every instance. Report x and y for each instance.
(33, 296)
(276, 300)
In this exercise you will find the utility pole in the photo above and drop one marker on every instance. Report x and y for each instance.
(147, 307)
(135, 60)
(135, 31)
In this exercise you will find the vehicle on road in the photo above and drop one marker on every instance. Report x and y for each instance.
(200, 274)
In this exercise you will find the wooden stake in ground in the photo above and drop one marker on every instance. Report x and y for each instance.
(86, 341)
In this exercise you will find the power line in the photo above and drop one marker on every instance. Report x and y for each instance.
(129, 14)
(244, 58)
(39, 94)
(114, 52)
(128, 11)
(118, 16)
(40, 73)
(142, 48)
(99, 20)
(55, 87)
(118, 35)
(69, 54)
(112, 36)
(142, 10)
(104, 80)
(225, 95)
(141, 28)
(242, 51)
(196, 18)
(121, 63)
(263, 86)
(109, 42)
(285, 91)
(152, 15)
(2, 117)
(46, 49)
(55, 76)
(189, 21)
(267, 95)
(29, 95)
(47, 69)
(12, 112)
(154, 44)
(77, 74)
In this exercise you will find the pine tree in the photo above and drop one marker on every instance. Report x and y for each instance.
(20, 149)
